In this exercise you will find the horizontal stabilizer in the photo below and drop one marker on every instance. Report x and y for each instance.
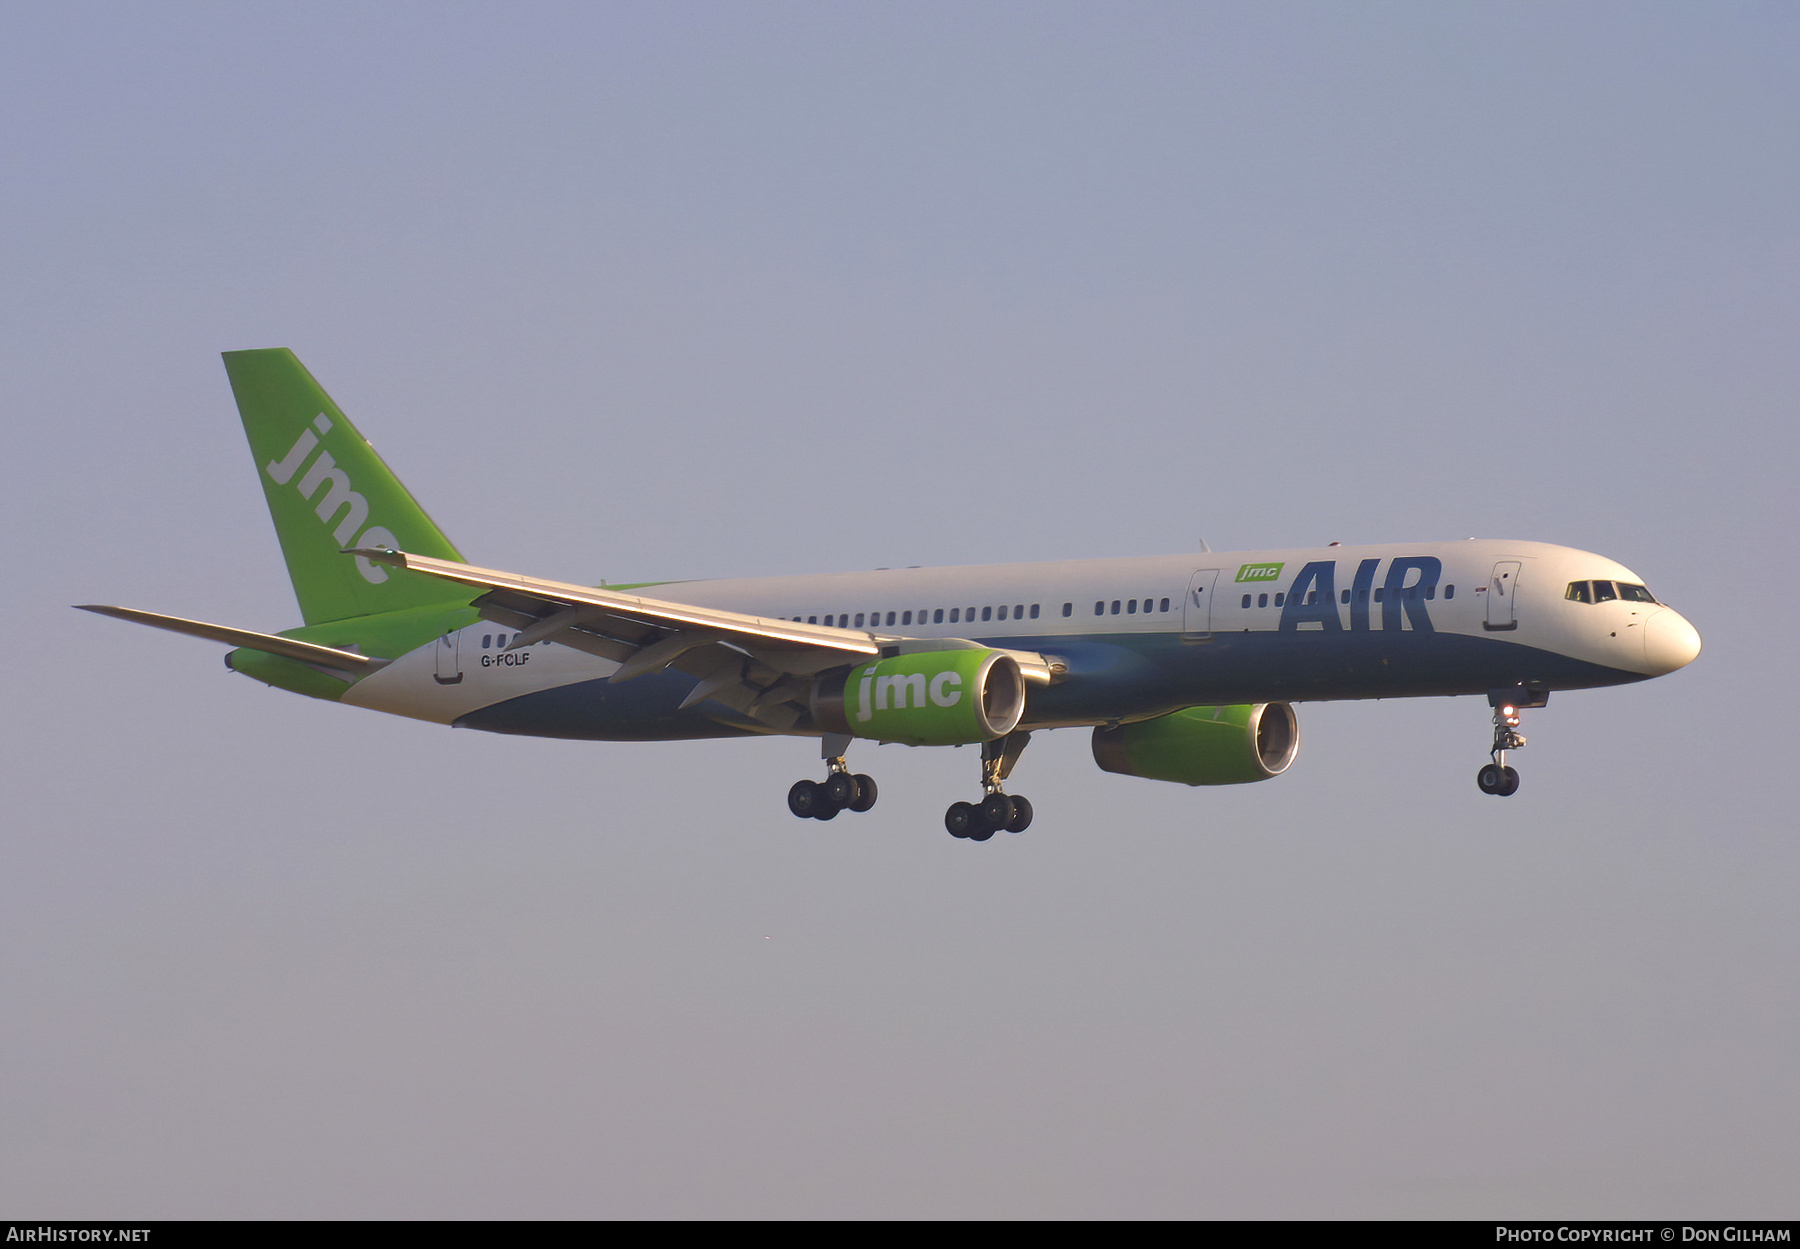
(269, 643)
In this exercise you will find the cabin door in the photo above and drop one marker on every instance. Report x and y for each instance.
(1501, 588)
(449, 657)
(1197, 614)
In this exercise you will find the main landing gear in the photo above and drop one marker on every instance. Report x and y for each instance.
(978, 821)
(839, 791)
(1500, 778)
(971, 821)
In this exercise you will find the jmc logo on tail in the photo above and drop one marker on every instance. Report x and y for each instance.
(325, 472)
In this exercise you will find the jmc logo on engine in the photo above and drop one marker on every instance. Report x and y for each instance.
(1259, 572)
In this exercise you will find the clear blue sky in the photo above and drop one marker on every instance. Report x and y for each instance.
(655, 291)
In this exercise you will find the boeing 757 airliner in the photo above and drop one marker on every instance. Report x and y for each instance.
(1183, 667)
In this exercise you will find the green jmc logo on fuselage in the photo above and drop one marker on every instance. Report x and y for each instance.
(1259, 572)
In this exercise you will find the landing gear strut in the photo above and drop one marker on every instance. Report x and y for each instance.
(1499, 778)
(839, 791)
(978, 821)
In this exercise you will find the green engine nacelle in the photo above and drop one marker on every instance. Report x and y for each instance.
(1204, 745)
(927, 698)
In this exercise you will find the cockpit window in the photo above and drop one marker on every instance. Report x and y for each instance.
(1607, 592)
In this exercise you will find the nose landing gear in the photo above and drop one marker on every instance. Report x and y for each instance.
(1499, 778)
(978, 821)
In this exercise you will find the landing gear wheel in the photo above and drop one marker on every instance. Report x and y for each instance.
(996, 810)
(865, 793)
(960, 820)
(840, 788)
(812, 801)
(1021, 815)
(1509, 782)
(1491, 777)
(804, 799)
(983, 831)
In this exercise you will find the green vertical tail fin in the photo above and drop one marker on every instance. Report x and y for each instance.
(328, 490)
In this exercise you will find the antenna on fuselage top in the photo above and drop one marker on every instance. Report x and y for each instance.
(1204, 547)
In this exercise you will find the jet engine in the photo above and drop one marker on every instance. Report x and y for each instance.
(1203, 745)
(926, 698)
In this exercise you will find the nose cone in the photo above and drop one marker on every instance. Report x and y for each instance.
(1670, 642)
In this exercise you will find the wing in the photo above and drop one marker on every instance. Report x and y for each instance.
(758, 667)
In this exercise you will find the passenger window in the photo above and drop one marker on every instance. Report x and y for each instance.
(1378, 594)
(1262, 600)
(968, 613)
(890, 618)
(1131, 608)
(1003, 611)
(1246, 601)
(1034, 611)
(1115, 609)
(812, 620)
(937, 617)
(1019, 610)
(499, 641)
(1312, 596)
(485, 639)
(1099, 609)
(1346, 597)
(987, 613)
(905, 617)
(1603, 592)
(1430, 592)
(1165, 605)
(1068, 610)
(955, 613)
(1280, 598)
(859, 619)
(1449, 591)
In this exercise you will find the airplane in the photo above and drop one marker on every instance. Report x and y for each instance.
(1185, 668)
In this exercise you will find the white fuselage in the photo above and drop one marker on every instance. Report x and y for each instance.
(1146, 635)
